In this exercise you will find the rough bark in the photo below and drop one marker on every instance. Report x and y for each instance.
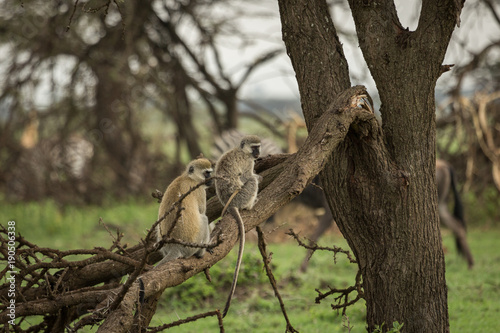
(381, 188)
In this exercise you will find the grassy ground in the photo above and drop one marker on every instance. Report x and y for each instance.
(473, 295)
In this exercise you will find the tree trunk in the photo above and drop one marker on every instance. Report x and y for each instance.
(114, 124)
(381, 188)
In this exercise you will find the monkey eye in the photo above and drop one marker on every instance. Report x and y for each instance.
(191, 169)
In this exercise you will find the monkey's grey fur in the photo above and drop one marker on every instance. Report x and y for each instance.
(234, 172)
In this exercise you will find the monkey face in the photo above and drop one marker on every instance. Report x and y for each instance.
(208, 173)
(199, 170)
(250, 144)
(255, 151)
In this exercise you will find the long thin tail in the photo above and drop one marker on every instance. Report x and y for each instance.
(241, 229)
(458, 210)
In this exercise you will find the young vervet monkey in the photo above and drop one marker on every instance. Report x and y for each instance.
(192, 225)
(236, 186)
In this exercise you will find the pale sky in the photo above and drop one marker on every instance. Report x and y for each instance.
(276, 79)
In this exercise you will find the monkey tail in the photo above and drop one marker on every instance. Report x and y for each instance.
(241, 229)
(228, 202)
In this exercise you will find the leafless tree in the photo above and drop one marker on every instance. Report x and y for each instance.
(98, 68)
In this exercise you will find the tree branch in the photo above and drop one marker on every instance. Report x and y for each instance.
(285, 178)
(315, 247)
(300, 169)
(190, 319)
(266, 259)
(344, 293)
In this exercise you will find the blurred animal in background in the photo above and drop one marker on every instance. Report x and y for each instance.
(232, 138)
(445, 181)
(44, 165)
(191, 225)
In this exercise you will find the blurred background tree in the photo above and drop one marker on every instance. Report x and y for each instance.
(106, 98)
(84, 82)
(468, 113)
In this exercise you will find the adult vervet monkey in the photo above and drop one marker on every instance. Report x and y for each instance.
(192, 225)
(236, 186)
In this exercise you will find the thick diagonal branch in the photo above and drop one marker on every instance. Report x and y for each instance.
(296, 174)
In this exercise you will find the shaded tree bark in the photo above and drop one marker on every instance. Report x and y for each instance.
(381, 188)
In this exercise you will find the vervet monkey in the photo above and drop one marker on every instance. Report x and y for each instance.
(236, 186)
(192, 226)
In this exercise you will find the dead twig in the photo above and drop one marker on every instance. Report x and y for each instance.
(315, 247)
(266, 259)
(344, 294)
(116, 240)
(190, 319)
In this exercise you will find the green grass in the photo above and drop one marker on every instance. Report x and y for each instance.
(472, 294)
(72, 227)
(255, 299)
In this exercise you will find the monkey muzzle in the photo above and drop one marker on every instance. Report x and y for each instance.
(208, 176)
(255, 152)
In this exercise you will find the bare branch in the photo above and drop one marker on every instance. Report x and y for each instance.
(260, 61)
(314, 247)
(190, 319)
(266, 259)
(344, 294)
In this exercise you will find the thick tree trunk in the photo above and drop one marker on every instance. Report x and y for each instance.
(381, 188)
(114, 124)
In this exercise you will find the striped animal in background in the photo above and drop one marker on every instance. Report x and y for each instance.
(232, 138)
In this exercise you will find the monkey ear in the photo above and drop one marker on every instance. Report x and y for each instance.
(200, 156)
